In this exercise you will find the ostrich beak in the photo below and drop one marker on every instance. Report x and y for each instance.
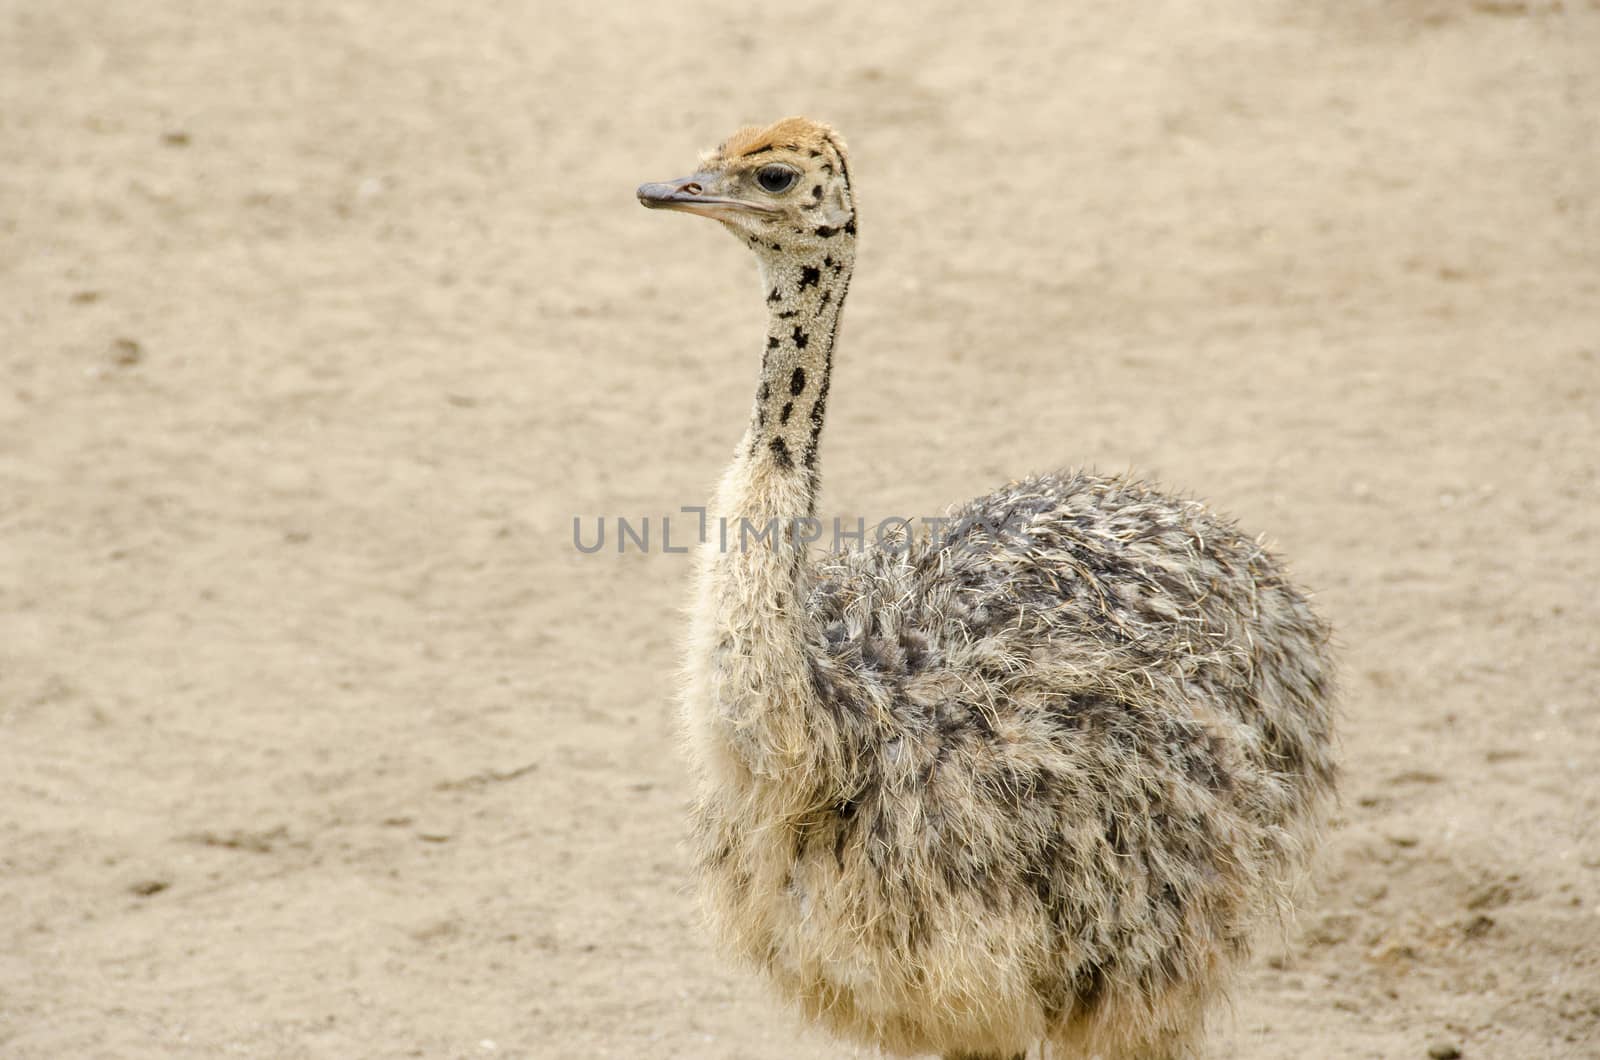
(689, 195)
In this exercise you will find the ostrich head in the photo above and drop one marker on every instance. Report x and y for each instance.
(782, 189)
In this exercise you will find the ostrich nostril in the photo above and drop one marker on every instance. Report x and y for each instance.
(691, 188)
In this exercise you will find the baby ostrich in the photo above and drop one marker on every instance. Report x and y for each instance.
(1030, 778)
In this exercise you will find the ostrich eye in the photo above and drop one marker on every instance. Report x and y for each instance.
(776, 179)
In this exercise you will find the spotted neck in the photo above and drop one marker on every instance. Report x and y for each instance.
(805, 291)
(753, 703)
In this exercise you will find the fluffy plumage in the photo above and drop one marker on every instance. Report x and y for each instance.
(1035, 777)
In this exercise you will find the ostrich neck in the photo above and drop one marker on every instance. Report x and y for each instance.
(804, 295)
(775, 472)
(751, 634)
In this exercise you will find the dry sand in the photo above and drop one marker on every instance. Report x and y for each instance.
(321, 322)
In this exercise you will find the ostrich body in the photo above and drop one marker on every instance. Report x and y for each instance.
(1032, 778)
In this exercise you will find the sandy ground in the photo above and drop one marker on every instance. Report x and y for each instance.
(321, 322)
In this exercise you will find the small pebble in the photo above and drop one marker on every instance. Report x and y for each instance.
(1443, 1051)
(146, 888)
(126, 352)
